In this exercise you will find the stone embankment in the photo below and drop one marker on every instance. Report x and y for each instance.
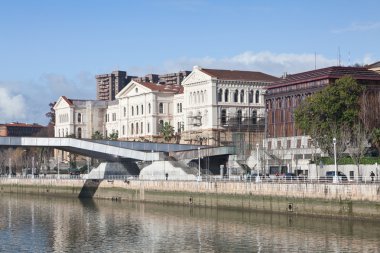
(354, 201)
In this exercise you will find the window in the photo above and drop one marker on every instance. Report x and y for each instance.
(220, 95)
(137, 90)
(149, 108)
(223, 117)
(180, 107)
(142, 109)
(132, 129)
(161, 124)
(79, 132)
(148, 128)
(257, 97)
(79, 117)
(242, 96)
(278, 144)
(177, 107)
(202, 97)
(250, 97)
(236, 95)
(254, 117)
(137, 128)
(288, 143)
(141, 127)
(226, 94)
(161, 108)
(198, 97)
(137, 110)
(125, 112)
(113, 116)
(179, 127)
(239, 117)
(123, 129)
(132, 110)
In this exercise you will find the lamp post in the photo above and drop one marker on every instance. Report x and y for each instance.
(32, 166)
(257, 163)
(335, 178)
(58, 166)
(10, 168)
(199, 163)
(152, 165)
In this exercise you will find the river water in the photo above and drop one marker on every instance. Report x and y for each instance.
(41, 224)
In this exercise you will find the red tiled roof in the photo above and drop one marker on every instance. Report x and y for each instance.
(163, 87)
(327, 73)
(69, 101)
(239, 75)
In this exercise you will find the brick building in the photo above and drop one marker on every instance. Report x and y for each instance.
(19, 129)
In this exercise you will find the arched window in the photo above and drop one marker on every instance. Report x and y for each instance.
(220, 95)
(132, 129)
(149, 108)
(148, 128)
(239, 117)
(123, 130)
(142, 109)
(132, 110)
(254, 117)
(125, 112)
(257, 97)
(79, 133)
(226, 95)
(137, 128)
(137, 110)
(250, 96)
(223, 116)
(141, 127)
(79, 117)
(236, 96)
(161, 108)
(242, 96)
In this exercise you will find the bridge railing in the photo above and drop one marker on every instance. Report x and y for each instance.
(214, 178)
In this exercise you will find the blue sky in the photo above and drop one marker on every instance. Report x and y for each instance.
(52, 48)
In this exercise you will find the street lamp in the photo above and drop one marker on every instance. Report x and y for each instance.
(32, 166)
(257, 163)
(335, 179)
(199, 163)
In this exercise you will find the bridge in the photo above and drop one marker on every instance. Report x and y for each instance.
(119, 150)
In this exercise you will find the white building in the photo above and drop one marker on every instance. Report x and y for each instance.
(209, 107)
(81, 118)
(220, 100)
(142, 108)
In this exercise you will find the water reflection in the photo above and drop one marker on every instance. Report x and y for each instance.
(41, 224)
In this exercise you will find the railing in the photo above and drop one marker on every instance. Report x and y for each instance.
(214, 178)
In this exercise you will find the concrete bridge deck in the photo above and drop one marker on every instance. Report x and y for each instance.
(116, 150)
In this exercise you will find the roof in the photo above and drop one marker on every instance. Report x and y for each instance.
(17, 124)
(163, 87)
(374, 65)
(69, 101)
(239, 75)
(335, 72)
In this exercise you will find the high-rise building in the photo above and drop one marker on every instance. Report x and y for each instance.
(108, 85)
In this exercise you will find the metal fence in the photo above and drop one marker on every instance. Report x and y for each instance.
(214, 178)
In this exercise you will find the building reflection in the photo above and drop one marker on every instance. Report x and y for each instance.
(64, 224)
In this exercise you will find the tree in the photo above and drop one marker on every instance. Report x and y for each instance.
(335, 112)
(114, 136)
(97, 136)
(167, 131)
(51, 114)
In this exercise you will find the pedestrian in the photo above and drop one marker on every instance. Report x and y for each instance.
(372, 175)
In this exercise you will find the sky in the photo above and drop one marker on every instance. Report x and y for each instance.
(54, 48)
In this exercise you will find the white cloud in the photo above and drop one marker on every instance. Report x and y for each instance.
(268, 62)
(12, 106)
(359, 27)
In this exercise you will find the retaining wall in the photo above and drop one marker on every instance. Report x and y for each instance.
(332, 200)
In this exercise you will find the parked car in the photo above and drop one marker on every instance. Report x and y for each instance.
(330, 176)
(290, 176)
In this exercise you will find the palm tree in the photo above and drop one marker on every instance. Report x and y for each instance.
(167, 131)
